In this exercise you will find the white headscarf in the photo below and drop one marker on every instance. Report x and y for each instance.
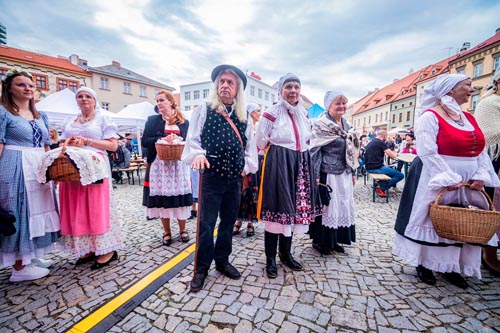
(287, 78)
(438, 90)
(330, 97)
(251, 107)
(90, 91)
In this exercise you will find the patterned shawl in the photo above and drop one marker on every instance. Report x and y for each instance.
(325, 130)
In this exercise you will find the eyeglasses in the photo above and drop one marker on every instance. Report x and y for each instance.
(25, 86)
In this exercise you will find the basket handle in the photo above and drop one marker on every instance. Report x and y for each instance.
(444, 190)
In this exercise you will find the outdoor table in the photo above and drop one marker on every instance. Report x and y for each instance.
(406, 159)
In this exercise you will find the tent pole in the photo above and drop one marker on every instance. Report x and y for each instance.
(139, 144)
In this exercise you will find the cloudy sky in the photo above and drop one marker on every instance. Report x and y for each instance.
(349, 45)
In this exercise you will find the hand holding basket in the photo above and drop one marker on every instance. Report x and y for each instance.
(464, 224)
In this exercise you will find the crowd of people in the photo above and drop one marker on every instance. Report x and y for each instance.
(241, 164)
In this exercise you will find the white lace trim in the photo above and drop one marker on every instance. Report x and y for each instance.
(92, 165)
(466, 260)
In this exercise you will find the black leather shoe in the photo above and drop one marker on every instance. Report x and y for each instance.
(271, 269)
(198, 281)
(228, 270)
(185, 238)
(338, 248)
(425, 275)
(85, 259)
(456, 280)
(167, 241)
(98, 265)
(290, 262)
(321, 249)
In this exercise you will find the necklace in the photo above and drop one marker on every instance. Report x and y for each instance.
(81, 120)
(458, 121)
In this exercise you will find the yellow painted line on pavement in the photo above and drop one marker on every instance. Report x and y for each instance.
(107, 309)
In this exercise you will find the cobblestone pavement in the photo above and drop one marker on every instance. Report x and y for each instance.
(365, 289)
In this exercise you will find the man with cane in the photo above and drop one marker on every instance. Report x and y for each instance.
(221, 145)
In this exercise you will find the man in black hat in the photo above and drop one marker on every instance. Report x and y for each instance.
(220, 143)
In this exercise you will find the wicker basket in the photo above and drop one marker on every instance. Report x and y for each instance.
(463, 224)
(63, 169)
(169, 152)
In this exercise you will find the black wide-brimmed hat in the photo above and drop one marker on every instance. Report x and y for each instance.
(221, 68)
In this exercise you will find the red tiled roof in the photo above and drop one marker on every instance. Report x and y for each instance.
(39, 59)
(492, 40)
(401, 88)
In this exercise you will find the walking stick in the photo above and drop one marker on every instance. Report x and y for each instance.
(198, 217)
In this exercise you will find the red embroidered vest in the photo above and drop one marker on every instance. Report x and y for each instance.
(452, 141)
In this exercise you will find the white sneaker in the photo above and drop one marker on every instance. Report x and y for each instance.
(28, 273)
(40, 262)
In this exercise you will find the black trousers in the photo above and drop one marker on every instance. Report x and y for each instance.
(219, 197)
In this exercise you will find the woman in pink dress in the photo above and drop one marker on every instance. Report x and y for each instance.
(89, 225)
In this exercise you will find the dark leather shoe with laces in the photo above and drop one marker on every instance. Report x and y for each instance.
(271, 269)
(288, 260)
(228, 270)
(425, 275)
(321, 249)
(198, 281)
(456, 280)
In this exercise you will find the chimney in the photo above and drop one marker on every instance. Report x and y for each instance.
(74, 59)
(115, 63)
(497, 31)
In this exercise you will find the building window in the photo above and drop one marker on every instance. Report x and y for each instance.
(71, 85)
(41, 81)
(400, 116)
(144, 91)
(252, 91)
(496, 63)
(105, 105)
(196, 94)
(376, 118)
(369, 119)
(157, 91)
(187, 96)
(260, 93)
(478, 69)
(461, 70)
(266, 96)
(205, 93)
(3, 71)
(475, 101)
(403, 105)
(127, 88)
(393, 118)
(187, 108)
(408, 115)
(104, 83)
(272, 98)
(395, 107)
(411, 103)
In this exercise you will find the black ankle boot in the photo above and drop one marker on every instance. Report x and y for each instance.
(285, 245)
(271, 269)
(270, 245)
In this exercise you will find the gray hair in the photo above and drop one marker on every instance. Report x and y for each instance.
(239, 100)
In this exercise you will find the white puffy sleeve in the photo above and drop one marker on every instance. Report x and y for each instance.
(251, 154)
(426, 130)
(265, 127)
(485, 171)
(109, 127)
(193, 147)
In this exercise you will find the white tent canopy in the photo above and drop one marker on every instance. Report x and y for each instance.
(140, 110)
(62, 105)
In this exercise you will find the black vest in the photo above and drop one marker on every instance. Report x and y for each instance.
(224, 151)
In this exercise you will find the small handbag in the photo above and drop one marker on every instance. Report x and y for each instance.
(7, 223)
(324, 193)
